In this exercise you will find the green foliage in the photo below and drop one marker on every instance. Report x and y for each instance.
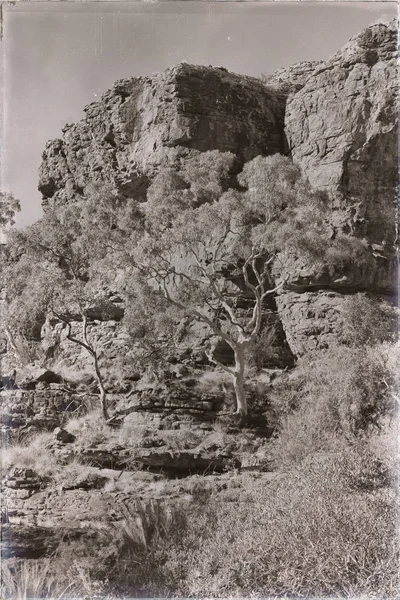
(192, 250)
(59, 275)
(344, 252)
(29, 287)
(202, 179)
(280, 204)
(208, 174)
(49, 271)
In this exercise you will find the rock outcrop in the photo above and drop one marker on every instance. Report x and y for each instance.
(29, 411)
(342, 129)
(144, 123)
(337, 119)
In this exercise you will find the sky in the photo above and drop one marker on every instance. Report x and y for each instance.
(60, 56)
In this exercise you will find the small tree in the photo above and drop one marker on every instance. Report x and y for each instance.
(193, 263)
(51, 278)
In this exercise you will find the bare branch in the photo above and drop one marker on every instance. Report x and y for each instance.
(228, 309)
(69, 336)
(275, 289)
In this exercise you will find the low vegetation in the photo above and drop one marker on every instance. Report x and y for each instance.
(327, 527)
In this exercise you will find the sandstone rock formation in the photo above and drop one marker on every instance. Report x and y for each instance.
(338, 120)
(342, 129)
(144, 123)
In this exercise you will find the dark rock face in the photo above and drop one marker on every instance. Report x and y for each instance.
(63, 436)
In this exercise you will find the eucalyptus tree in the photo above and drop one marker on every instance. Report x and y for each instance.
(189, 263)
(56, 272)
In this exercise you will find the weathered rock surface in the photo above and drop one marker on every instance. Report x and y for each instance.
(291, 79)
(144, 123)
(44, 408)
(338, 120)
(342, 129)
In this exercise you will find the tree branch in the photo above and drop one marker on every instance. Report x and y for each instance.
(218, 363)
(228, 309)
(70, 337)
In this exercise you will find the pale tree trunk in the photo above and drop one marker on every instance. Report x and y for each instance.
(93, 353)
(238, 379)
(99, 377)
(103, 395)
(12, 344)
(245, 333)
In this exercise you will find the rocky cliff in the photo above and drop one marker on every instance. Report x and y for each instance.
(342, 129)
(143, 124)
(337, 119)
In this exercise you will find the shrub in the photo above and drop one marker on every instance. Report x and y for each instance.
(311, 533)
(140, 542)
(346, 251)
(340, 397)
(62, 576)
(368, 321)
(266, 348)
(90, 429)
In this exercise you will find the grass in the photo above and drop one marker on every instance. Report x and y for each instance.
(28, 580)
(315, 532)
(327, 527)
(35, 454)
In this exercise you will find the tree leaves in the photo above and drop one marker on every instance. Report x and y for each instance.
(9, 205)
